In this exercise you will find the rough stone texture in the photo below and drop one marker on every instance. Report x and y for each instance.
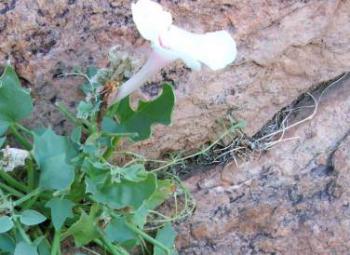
(285, 47)
(293, 199)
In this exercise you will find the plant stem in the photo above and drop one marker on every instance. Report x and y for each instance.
(31, 175)
(27, 197)
(12, 181)
(22, 232)
(148, 238)
(12, 191)
(109, 246)
(20, 138)
(23, 128)
(110, 149)
(56, 249)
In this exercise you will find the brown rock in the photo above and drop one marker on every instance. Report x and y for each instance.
(285, 47)
(292, 199)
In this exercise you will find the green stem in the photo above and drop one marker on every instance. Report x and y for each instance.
(70, 116)
(27, 197)
(24, 129)
(31, 175)
(20, 138)
(56, 249)
(22, 232)
(11, 190)
(111, 149)
(148, 238)
(12, 181)
(109, 246)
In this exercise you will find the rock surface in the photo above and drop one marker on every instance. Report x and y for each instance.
(292, 199)
(285, 48)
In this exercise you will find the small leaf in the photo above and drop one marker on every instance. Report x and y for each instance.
(15, 102)
(31, 217)
(6, 224)
(117, 231)
(6, 243)
(22, 248)
(141, 120)
(61, 209)
(166, 236)
(84, 230)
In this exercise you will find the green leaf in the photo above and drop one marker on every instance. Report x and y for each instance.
(85, 229)
(47, 144)
(134, 173)
(2, 141)
(6, 224)
(123, 194)
(53, 153)
(23, 248)
(6, 243)
(31, 217)
(164, 190)
(56, 173)
(15, 102)
(76, 135)
(117, 231)
(166, 236)
(141, 120)
(61, 209)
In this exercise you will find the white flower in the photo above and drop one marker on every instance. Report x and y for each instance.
(12, 158)
(169, 43)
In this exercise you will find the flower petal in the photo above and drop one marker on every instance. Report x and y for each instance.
(215, 49)
(150, 19)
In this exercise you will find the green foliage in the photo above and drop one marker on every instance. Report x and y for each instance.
(85, 229)
(139, 122)
(166, 236)
(6, 224)
(61, 209)
(7, 244)
(15, 102)
(31, 217)
(53, 154)
(68, 188)
(25, 248)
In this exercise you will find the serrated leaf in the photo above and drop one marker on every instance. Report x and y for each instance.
(164, 190)
(141, 120)
(134, 173)
(53, 153)
(15, 102)
(123, 194)
(31, 217)
(84, 230)
(23, 248)
(61, 209)
(166, 236)
(6, 224)
(6, 243)
(117, 231)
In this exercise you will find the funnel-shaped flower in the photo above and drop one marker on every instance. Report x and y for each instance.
(169, 43)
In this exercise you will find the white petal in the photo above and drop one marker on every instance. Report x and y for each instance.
(216, 49)
(150, 19)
